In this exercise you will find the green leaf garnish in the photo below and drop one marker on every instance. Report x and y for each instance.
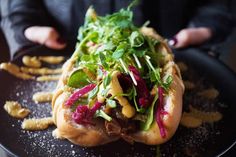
(103, 60)
(136, 39)
(107, 80)
(133, 3)
(85, 58)
(168, 82)
(118, 54)
(120, 50)
(150, 113)
(93, 93)
(134, 93)
(113, 43)
(78, 79)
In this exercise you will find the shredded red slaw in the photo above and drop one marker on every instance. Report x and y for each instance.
(83, 114)
(96, 107)
(79, 93)
(141, 88)
(161, 112)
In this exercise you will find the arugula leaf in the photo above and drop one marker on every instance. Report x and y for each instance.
(93, 93)
(133, 3)
(152, 43)
(103, 60)
(118, 54)
(82, 44)
(121, 19)
(101, 113)
(150, 113)
(78, 79)
(85, 58)
(136, 39)
(105, 47)
(140, 52)
(91, 66)
(107, 80)
(90, 15)
(120, 50)
(168, 82)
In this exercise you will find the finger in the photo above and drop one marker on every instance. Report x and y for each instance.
(47, 36)
(55, 43)
(190, 36)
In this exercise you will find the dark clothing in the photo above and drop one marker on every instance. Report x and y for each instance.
(166, 16)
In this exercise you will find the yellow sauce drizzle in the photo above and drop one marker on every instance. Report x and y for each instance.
(37, 124)
(42, 97)
(15, 71)
(14, 109)
(52, 59)
(48, 78)
(195, 117)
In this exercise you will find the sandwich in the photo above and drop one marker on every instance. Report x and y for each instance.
(120, 83)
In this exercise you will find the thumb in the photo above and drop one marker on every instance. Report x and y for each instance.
(47, 36)
(190, 36)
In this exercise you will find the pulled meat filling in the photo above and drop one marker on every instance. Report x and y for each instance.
(121, 126)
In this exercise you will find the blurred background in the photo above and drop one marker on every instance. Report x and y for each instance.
(227, 48)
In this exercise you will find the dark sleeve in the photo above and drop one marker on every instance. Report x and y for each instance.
(17, 15)
(215, 15)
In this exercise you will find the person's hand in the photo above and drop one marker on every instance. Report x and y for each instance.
(190, 36)
(47, 36)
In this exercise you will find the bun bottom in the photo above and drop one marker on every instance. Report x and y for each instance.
(89, 135)
(172, 105)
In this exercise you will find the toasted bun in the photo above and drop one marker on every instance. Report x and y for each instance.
(173, 105)
(84, 135)
(172, 101)
(93, 135)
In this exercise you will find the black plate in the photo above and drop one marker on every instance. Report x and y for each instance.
(41, 143)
